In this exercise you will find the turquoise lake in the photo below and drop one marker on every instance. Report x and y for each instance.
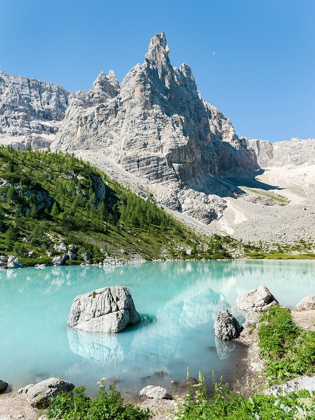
(178, 303)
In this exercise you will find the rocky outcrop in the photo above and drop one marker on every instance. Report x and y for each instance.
(58, 260)
(30, 110)
(307, 304)
(108, 310)
(3, 385)
(253, 303)
(293, 153)
(155, 392)
(14, 262)
(40, 394)
(295, 385)
(226, 326)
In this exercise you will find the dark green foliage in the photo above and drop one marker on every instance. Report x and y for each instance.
(76, 405)
(288, 350)
(49, 197)
(10, 237)
(54, 211)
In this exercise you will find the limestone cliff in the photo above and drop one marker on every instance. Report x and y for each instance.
(293, 153)
(30, 110)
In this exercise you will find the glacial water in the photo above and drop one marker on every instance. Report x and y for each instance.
(178, 303)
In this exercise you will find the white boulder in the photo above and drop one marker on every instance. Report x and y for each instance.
(107, 310)
(155, 392)
(307, 304)
(14, 262)
(39, 395)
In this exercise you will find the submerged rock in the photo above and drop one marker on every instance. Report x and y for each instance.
(3, 385)
(155, 392)
(39, 395)
(307, 304)
(107, 310)
(14, 262)
(226, 326)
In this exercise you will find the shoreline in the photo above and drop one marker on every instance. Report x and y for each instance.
(122, 263)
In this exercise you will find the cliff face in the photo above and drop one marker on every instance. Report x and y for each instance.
(293, 153)
(30, 110)
(156, 124)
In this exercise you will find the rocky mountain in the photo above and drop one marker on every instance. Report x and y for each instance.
(155, 134)
(157, 126)
(293, 153)
(30, 111)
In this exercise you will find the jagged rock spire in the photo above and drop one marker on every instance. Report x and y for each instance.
(105, 87)
(157, 58)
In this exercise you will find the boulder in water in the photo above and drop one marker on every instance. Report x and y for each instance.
(3, 385)
(226, 326)
(107, 310)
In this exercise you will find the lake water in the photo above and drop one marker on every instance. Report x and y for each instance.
(178, 303)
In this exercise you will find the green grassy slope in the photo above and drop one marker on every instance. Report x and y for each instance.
(52, 198)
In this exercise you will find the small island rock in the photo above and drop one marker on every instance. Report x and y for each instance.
(307, 304)
(107, 310)
(39, 395)
(226, 326)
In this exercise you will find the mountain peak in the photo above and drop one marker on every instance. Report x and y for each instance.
(158, 48)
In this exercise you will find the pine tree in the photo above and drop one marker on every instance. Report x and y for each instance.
(11, 193)
(54, 211)
(10, 238)
(33, 212)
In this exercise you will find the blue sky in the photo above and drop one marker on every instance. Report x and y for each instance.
(261, 75)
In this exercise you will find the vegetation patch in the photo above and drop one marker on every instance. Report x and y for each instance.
(288, 350)
(268, 197)
(226, 404)
(76, 405)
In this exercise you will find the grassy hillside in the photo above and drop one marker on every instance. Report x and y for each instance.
(48, 199)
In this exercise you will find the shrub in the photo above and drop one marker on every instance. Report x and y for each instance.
(76, 405)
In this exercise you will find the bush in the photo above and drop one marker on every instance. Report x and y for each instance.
(76, 405)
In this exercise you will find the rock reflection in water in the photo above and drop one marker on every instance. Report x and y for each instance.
(103, 348)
